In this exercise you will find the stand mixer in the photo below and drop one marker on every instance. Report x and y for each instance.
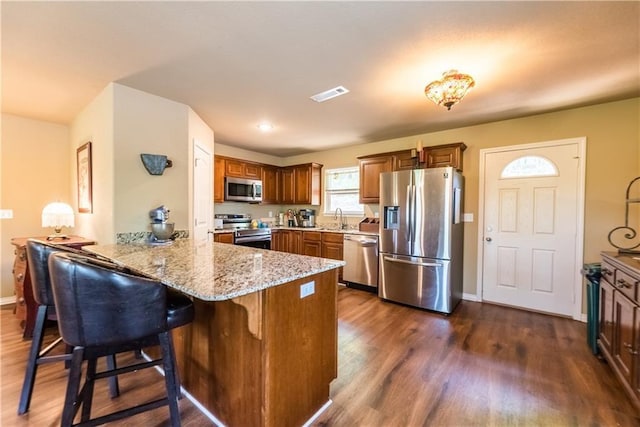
(161, 230)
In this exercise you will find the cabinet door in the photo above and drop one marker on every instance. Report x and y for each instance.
(403, 161)
(270, 184)
(606, 315)
(223, 238)
(295, 242)
(277, 240)
(302, 185)
(311, 248)
(234, 167)
(624, 348)
(445, 155)
(287, 186)
(218, 180)
(252, 171)
(370, 170)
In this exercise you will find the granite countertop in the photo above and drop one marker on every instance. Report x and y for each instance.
(214, 271)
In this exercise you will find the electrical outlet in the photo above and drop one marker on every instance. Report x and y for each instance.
(6, 213)
(307, 289)
(468, 217)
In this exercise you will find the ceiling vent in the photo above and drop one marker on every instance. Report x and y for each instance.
(331, 93)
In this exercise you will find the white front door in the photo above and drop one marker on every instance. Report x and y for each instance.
(202, 191)
(531, 226)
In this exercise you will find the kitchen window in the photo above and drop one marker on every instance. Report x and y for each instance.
(342, 190)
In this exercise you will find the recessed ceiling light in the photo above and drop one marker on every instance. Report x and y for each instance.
(331, 93)
(265, 127)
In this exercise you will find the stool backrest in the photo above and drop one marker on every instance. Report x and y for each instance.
(98, 304)
(38, 257)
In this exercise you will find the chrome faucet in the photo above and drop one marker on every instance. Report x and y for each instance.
(342, 224)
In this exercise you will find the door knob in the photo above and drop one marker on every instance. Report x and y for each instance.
(488, 239)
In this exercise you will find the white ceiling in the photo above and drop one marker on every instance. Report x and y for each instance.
(239, 63)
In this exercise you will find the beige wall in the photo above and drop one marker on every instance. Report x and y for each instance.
(146, 123)
(35, 172)
(95, 124)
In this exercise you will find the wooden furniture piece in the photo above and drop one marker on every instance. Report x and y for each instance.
(270, 184)
(619, 336)
(311, 243)
(26, 307)
(373, 165)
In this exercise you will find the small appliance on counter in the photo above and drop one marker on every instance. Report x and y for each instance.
(161, 230)
(307, 218)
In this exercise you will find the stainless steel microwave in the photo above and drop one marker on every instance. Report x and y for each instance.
(242, 190)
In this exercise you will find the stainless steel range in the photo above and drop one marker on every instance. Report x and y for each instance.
(244, 234)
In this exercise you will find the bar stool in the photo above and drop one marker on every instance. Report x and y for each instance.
(103, 311)
(38, 255)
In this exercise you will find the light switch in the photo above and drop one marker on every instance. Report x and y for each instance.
(467, 217)
(6, 213)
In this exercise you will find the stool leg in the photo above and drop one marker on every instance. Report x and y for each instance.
(114, 388)
(71, 397)
(169, 366)
(87, 390)
(32, 361)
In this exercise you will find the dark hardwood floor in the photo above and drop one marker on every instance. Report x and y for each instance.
(484, 365)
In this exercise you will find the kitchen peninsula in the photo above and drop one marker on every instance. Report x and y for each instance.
(262, 350)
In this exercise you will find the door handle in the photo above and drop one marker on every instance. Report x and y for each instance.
(423, 264)
(488, 239)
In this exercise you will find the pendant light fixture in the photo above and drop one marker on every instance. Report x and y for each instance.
(450, 90)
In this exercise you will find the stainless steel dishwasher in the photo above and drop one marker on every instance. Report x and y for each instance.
(361, 256)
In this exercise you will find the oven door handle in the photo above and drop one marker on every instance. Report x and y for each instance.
(252, 239)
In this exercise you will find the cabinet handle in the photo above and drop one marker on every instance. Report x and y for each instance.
(623, 283)
(19, 277)
(23, 255)
(21, 301)
(606, 271)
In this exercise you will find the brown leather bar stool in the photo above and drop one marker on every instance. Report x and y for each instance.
(38, 255)
(104, 311)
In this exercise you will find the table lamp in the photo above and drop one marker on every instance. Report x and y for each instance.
(57, 215)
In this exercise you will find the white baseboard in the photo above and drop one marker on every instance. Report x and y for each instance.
(470, 297)
(8, 300)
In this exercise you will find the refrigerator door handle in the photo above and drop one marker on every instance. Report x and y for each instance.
(410, 214)
(423, 264)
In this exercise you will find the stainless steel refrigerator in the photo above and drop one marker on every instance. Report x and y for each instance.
(421, 238)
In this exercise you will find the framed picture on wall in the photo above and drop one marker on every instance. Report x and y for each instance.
(85, 200)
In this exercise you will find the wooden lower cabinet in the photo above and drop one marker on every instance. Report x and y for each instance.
(332, 248)
(619, 335)
(311, 243)
(223, 238)
(263, 359)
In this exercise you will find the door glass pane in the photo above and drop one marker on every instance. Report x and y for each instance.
(529, 166)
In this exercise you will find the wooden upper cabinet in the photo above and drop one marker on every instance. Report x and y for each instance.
(372, 166)
(218, 179)
(242, 169)
(403, 160)
(307, 181)
(445, 155)
(270, 184)
(287, 186)
(370, 170)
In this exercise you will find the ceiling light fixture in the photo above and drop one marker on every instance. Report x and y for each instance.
(265, 127)
(450, 90)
